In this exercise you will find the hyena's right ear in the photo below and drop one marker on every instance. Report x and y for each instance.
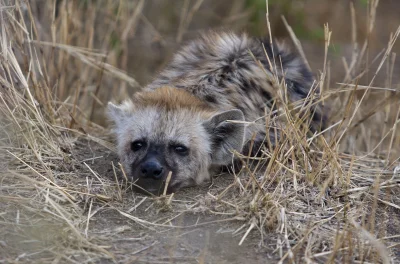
(118, 113)
(225, 135)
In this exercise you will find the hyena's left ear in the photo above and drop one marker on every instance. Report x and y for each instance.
(118, 113)
(225, 135)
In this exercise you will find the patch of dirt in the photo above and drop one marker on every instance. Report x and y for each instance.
(201, 237)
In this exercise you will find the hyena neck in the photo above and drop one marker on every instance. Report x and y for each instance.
(172, 99)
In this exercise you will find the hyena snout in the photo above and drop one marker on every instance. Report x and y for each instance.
(151, 169)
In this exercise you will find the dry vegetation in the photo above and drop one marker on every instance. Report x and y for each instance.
(328, 197)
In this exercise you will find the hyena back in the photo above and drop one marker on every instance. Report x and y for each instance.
(193, 115)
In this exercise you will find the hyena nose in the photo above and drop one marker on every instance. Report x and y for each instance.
(152, 169)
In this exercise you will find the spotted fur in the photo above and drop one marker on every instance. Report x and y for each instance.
(218, 77)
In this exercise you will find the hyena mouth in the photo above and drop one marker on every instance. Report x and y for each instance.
(155, 187)
(149, 186)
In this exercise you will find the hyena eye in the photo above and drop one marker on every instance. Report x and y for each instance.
(137, 145)
(181, 150)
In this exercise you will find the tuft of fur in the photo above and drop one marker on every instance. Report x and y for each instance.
(210, 81)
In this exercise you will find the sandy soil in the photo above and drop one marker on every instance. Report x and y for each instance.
(203, 236)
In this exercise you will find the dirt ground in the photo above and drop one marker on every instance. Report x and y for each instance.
(203, 237)
(200, 236)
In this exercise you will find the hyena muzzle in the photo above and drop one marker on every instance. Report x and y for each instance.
(201, 108)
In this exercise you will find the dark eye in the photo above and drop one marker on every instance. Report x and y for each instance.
(137, 145)
(180, 149)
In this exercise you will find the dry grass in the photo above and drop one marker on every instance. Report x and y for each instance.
(315, 198)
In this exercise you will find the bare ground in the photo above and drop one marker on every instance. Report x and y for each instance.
(193, 237)
(204, 235)
(134, 228)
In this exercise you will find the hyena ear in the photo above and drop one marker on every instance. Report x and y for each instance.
(225, 135)
(118, 113)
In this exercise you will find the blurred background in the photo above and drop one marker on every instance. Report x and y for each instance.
(98, 50)
(144, 33)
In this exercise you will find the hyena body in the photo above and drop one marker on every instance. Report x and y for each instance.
(202, 107)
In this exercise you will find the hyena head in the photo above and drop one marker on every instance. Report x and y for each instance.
(170, 130)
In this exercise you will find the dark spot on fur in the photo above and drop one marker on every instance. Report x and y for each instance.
(221, 84)
(209, 98)
(248, 85)
(253, 85)
(245, 85)
(231, 57)
(227, 69)
(227, 91)
(242, 65)
(266, 95)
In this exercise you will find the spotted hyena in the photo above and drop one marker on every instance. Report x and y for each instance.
(201, 108)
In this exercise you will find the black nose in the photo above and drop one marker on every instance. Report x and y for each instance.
(151, 169)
